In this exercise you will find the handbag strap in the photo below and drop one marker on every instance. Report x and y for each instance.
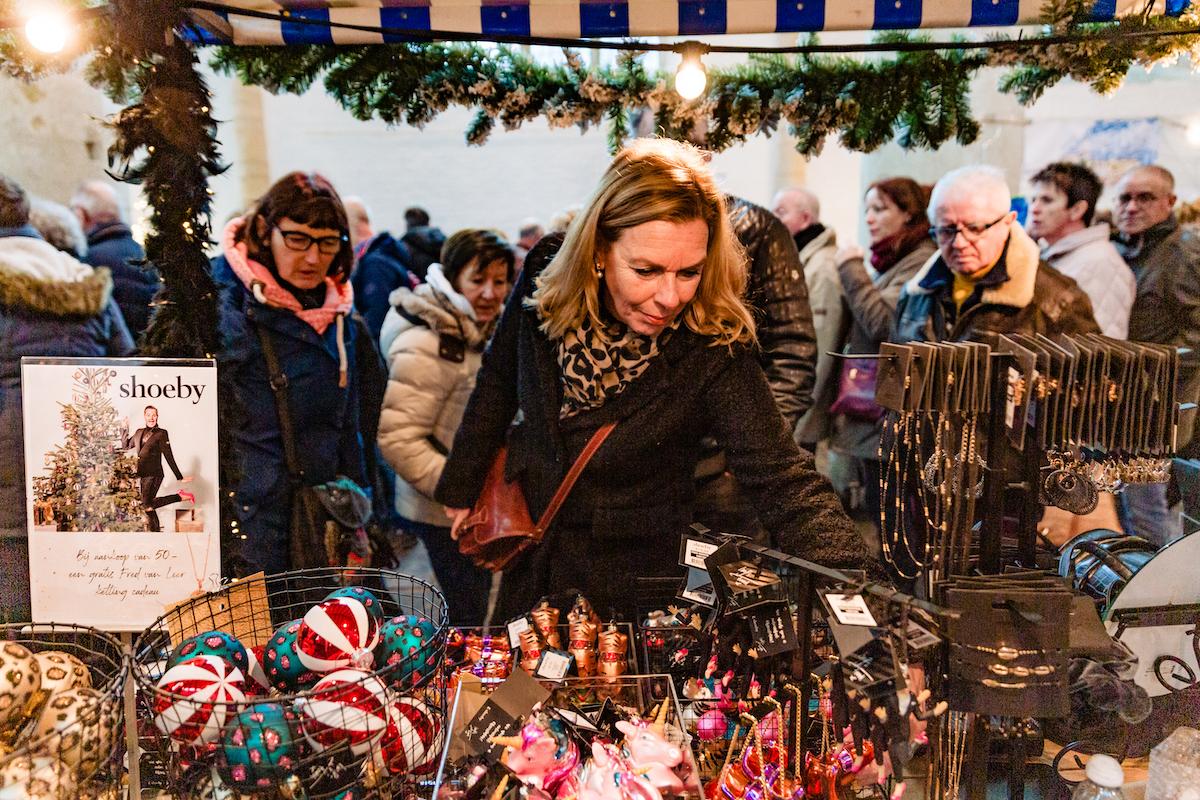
(573, 474)
(279, 387)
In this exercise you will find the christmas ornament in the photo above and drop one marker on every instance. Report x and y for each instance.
(651, 754)
(712, 726)
(20, 695)
(77, 727)
(258, 683)
(62, 671)
(612, 649)
(347, 705)
(407, 651)
(196, 697)
(36, 778)
(543, 755)
(281, 660)
(364, 596)
(488, 657)
(413, 739)
(211, 643)
(531, 649)
(337, 633)
(545, 619)
(582, 641)
(258, 748)
(582, 611)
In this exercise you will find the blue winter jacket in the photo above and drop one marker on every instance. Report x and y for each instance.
(381, 270)
(50, 306)
(325, 418)
(134, 286)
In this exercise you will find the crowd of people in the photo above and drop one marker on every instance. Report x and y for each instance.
(705, 327)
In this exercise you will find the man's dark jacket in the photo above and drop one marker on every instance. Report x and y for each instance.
(776, 292)
(381, 270)
(111, 245)
(1021, 294)
(153, 444)
(635, 496)
(424, 244)
(1166, 262)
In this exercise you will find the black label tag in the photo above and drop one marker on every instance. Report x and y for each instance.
(772, 631)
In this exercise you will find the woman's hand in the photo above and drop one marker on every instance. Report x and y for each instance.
(457, 517)
(847, 252)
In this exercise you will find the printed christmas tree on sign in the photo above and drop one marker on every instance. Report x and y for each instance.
(92, 483)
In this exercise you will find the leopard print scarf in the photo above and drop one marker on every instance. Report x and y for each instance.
(595, 370)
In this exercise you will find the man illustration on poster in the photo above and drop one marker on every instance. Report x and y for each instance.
(153, 444)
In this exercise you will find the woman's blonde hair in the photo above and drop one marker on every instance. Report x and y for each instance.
(651, 179)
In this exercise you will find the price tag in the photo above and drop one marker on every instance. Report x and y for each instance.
(515, 629)
(851, 610)
(918, 637)
(553, 665)
(695, 551)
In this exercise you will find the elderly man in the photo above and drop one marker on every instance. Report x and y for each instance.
(110, 244)
(383, 266)
(1061, 207)
(1165, 261)
(987, 275)
(800, 212)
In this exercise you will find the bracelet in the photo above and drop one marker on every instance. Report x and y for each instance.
(1004, 652)
(1021, 672)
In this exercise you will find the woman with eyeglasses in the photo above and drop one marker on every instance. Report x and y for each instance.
(290, 337)
(899, 245)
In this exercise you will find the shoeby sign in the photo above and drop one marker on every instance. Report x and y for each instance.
(121, 487)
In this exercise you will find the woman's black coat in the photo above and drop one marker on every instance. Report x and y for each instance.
(624, 517)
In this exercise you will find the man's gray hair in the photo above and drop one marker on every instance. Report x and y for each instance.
(99, 201)
(59, 226)
(975, 179)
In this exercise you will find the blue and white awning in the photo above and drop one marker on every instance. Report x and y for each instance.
(606, 18)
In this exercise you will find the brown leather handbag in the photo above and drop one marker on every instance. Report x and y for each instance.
(500, 528)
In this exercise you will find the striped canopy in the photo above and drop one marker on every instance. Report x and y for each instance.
(609, 18)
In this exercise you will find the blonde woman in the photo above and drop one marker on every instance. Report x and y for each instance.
(634, 317)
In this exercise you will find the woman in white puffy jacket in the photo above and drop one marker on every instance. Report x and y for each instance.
(433, 337)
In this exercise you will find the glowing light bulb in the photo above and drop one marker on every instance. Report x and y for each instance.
(690, 78)
(48, 31)
(1193, 133)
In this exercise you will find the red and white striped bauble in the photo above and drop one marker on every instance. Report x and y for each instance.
(259, 684)
(347, 705)
(209, 689)
(413, 739)
(337, 633)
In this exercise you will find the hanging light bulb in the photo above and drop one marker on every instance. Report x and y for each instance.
(48, 31)
(690, 78)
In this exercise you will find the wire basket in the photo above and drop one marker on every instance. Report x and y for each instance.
(62, 717)
(336, 696)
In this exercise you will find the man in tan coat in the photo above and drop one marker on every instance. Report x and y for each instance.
(801, 213)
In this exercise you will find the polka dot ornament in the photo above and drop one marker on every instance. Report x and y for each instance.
(259, 748)
(407, 652)
(211, 643)
(281, 661)
(364, 596)
(196, 698)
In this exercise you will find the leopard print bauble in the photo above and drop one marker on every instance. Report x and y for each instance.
(36, 778)
(20, 689)
(77, 726)
(62, 671)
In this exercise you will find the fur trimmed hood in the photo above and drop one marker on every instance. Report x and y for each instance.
(440, 307)
(37, 277)
(1021, 257)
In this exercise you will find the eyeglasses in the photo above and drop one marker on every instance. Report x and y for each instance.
(945, 234)
(300, 242)
(1142, 198)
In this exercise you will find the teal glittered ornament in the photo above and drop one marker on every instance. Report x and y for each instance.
(211, 643)
(406, 655)
(282, 664)
(364, 596)
(258, 748)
